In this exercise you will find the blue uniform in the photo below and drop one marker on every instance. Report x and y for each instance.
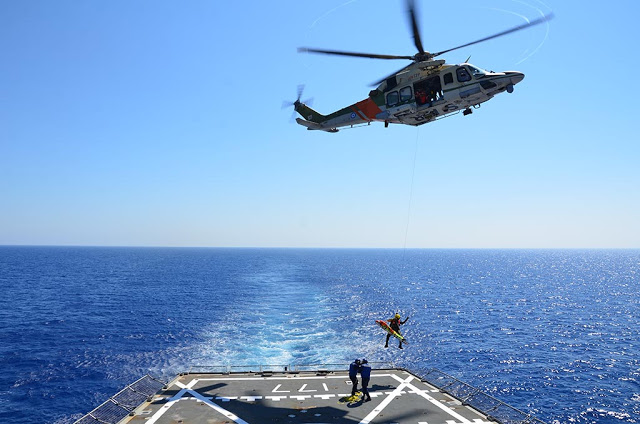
(354, 368)
(365, 372)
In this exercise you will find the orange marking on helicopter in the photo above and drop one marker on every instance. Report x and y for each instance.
(369, 108)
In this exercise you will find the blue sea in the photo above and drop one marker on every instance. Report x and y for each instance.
(552, 332)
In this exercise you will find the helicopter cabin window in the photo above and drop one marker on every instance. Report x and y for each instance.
(405, 94)
(463, 74)
(448, 78)
(392, 98)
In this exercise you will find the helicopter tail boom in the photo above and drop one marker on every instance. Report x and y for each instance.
(313, 120)
(361, 112)
(314, 126)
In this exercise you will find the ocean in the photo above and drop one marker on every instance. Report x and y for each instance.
(552, 332)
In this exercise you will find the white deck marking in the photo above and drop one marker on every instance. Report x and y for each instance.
(223, 411)
(188, 386)
(325, 397)
(439, 404)
(326, 389)
(155, 417)
(432, 400)
(226, 399)
(280, 391)
(301, 397)
(302, 390)
(170, 402)
(296, 378)
(178, 397)
(386, 401)
(276, 398)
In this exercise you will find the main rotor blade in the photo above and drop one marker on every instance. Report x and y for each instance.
(414, 25)
(500, 34)
(355, 54)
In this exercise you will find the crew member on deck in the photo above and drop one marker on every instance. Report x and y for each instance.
(395, 324)
(365, 372)
(354, 368)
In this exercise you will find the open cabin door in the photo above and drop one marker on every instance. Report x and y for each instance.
(428, 91)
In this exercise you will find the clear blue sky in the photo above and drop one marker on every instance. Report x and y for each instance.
(159, 123)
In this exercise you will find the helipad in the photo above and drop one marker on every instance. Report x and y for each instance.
(398, 396)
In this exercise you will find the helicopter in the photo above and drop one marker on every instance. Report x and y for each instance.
(425, 90)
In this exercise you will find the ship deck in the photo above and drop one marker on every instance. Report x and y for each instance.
(398, 396)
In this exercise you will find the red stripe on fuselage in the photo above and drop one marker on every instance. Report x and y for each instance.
(368, 108)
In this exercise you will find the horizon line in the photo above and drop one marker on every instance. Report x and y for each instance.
(316, 247)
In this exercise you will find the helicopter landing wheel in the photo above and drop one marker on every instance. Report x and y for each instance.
(386, 124)
(467, 111)
(510, 88)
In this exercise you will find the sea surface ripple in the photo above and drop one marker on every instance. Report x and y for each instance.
(552, 332)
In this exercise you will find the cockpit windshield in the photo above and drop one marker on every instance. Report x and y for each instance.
(477, 72)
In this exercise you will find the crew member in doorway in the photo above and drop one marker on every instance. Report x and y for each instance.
(365, 372)
(421, 97)
(354, 368)
(432, 97)
(395, 324)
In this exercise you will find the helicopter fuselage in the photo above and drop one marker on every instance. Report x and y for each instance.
(422, 93)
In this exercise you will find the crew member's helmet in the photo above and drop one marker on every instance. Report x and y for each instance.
(397, 316)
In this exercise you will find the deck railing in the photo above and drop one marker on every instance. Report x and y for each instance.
(124, 402)
(261, 368)
(494, 409)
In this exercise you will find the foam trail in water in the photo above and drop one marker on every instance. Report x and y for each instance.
(292, 322)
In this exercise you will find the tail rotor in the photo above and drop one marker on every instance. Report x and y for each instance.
(298, 102)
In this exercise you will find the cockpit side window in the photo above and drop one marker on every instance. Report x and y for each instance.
(392, 98)
(477, 72)
(405, 94)
(462, 74)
